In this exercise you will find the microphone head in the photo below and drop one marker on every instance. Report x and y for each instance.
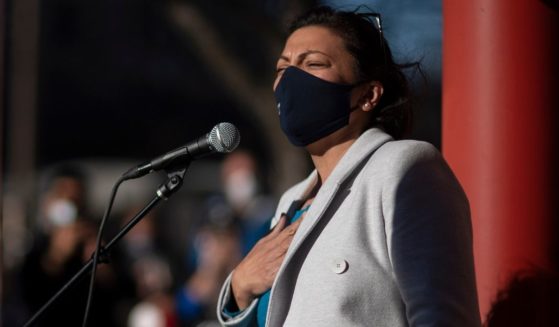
(224, 137)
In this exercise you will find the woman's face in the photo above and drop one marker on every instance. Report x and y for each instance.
(322, 53)
(319, 52)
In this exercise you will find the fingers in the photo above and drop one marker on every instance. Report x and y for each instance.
(280, 225)
(257, 271)
(280, 244)
(275, 244)
(290, 230)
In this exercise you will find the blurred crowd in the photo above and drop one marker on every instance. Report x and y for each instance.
(144, 284)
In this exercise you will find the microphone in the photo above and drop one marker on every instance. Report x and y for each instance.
(223, 138)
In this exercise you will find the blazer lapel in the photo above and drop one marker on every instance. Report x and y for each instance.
(366, 144)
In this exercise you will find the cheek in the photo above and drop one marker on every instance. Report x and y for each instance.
(331, 75)
(326, 75)
(356, 98)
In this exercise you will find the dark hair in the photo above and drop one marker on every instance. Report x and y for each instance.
(365, 42)
(66, 171)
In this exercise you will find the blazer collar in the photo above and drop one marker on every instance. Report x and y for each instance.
(360, 150)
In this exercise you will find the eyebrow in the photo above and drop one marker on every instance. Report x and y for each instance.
(304, 55)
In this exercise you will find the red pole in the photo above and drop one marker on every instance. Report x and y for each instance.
(499, 100)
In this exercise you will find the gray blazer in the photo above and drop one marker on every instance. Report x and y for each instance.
(387, 241)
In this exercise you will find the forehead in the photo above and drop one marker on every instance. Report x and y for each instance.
(314, 38)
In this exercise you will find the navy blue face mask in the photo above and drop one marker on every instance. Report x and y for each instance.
(309, 107)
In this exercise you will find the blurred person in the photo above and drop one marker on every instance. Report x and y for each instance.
(379, 234)
(156, 307)
(144, 275)
(62, 198)
(142, 240)
(244, 192)
(216, 249)
(64, 241)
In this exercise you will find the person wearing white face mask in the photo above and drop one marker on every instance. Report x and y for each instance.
(60, 216)
(240, 188)
(243, 192)
(62, 244)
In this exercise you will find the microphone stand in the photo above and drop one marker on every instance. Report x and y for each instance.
(165, 190)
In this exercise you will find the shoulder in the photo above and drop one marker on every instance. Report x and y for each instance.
(405, 151)
(414, 169)
(410, 165)
(399, 157)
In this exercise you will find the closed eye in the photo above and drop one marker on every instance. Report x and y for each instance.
(315, 64)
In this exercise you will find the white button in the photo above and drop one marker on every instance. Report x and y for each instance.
(339, 266)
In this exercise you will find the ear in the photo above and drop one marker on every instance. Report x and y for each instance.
(374, 93)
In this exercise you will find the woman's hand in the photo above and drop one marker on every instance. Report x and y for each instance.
(256, 272)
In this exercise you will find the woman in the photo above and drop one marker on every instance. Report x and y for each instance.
(379, 234)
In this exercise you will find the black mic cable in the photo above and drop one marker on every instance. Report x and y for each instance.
(98, 248)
